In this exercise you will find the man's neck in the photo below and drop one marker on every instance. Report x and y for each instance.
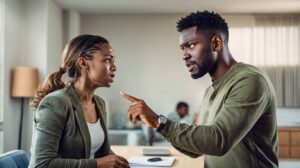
(222, 66)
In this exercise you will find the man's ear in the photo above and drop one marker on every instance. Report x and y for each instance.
(217, 43)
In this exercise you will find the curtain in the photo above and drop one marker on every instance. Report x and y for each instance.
(272, 43)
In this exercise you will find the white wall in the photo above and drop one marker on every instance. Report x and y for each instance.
(71, 24)
(149, 62)
(54, 36)
(45, 35)
(11, 107)
(33, 37)
(1, 71)
(34, 34)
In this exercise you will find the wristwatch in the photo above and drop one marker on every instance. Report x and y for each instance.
(162, 120)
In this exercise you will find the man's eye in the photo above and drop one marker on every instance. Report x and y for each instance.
(191, 46)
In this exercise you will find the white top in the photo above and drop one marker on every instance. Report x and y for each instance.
(97, 137)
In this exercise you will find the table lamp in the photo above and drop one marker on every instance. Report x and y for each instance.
(25, 81)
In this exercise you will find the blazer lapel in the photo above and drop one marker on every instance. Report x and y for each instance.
(80, 119)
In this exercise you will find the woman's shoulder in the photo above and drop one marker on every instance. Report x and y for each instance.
(57, 98)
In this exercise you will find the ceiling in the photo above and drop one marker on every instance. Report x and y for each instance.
(181, 6)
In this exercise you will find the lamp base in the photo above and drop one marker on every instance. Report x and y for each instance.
(21, 123)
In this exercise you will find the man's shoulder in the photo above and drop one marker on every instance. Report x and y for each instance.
(253, 79)
(247, 69)
(251, 72)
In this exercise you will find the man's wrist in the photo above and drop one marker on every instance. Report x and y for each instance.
(162, 120)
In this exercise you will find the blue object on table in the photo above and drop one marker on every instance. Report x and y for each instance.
(154, 159)
(14, 159)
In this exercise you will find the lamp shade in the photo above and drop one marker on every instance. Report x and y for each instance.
(24, 82)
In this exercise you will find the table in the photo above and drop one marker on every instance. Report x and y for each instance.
(182, 161)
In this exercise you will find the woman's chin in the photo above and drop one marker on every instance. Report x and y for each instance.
(109, 84)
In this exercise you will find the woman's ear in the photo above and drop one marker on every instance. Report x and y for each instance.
(82, 63)
(217, 43)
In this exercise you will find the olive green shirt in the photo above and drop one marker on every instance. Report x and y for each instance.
(62, 138)
(237, 125)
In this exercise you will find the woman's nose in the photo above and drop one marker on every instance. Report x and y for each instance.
(113, 67)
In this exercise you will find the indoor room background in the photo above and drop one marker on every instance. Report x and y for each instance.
(148, 57)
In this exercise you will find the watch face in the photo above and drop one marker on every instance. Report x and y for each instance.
(163, 119)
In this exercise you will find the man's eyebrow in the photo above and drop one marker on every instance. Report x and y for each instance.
(184, 43)
(111, 56)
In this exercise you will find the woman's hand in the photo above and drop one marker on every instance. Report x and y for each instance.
(112, 161)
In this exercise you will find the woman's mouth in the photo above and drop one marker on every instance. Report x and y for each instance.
(111, 77)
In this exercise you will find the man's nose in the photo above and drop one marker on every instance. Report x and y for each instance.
(186, 55)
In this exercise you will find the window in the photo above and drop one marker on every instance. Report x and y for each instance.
(272, 44)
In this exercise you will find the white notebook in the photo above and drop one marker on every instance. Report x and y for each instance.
(135, 162)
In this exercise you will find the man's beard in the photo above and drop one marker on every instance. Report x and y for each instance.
(207, 66)
(200, 73)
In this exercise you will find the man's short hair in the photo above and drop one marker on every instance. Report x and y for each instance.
(181, 104)
(205, 20)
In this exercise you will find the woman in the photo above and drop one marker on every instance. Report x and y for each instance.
(70, 122)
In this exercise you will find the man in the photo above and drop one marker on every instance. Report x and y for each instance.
(237, 126)
(181, 114)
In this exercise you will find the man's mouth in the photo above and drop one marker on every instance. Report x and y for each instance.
(190, 66)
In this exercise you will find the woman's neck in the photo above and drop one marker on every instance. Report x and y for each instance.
(84, 90)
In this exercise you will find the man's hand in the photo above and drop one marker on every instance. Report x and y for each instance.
(140, 111)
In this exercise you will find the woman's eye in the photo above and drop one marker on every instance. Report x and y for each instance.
(109, 60)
